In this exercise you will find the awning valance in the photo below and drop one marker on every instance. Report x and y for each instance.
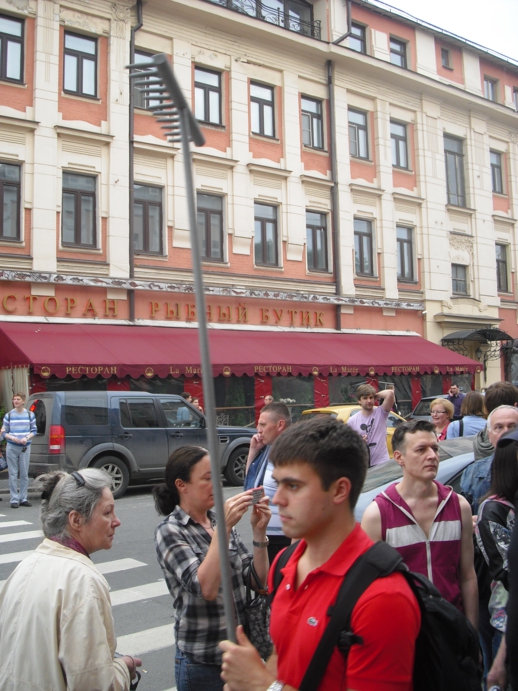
(117, 351)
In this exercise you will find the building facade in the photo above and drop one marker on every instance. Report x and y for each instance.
(360, 186)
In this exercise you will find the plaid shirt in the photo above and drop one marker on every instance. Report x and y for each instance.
(181, 546)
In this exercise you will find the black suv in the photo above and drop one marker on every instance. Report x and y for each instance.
(129, 434)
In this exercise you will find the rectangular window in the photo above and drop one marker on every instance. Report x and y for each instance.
(78, 224)
(312, 123)
(139, 100)
(398, 53)
(497, 179)
(491, 89)
(459, 276)
(80, 65)
(405, 253)
(316, 236)
(363, 264)
(445, 58)
(11, 49)
(357, 39)
(261, 104)
(147, 219)
(515, 98)
(10, 199)
(398, 138)
(210, 225)
(501, 269)
(265, 235)
(207, 96)
(454, 157)
(358, 134)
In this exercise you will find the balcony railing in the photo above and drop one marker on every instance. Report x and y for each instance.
(289, 14)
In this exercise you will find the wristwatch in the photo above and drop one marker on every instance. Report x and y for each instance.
(276, 686)
(261, 544)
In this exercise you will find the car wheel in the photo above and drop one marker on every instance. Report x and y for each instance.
(118, 472)
(235, 469)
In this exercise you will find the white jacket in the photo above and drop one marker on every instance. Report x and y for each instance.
(56, 626)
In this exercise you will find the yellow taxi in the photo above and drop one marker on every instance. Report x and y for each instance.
(344, 412)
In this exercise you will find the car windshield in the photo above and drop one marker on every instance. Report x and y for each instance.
(423, 407)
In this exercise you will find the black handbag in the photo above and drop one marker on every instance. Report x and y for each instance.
(257, 615)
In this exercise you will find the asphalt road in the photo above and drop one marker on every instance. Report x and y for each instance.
(142, 605)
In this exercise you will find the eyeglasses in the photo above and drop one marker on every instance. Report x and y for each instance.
(438, 412)
(81, 482)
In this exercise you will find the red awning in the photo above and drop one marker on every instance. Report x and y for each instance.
(106, 350)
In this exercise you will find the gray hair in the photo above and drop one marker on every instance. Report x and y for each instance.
(62, 494)
(500, 407)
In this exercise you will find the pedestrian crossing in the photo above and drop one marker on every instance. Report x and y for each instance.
(149, 640)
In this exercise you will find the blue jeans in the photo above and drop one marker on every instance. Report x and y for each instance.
(195, 676)
(18, 464)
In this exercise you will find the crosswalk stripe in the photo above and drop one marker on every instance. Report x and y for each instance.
(142, 592)
(14, 556)
(145, 641)
(119, 565)
(14, 524)
(14, 537)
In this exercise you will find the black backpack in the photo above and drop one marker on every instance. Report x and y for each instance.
(447, 648)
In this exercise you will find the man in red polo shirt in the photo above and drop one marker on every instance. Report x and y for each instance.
(320, 467)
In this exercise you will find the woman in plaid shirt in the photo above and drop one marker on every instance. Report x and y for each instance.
(187, 548)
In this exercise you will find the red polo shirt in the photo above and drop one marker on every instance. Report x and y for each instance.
(386, 616)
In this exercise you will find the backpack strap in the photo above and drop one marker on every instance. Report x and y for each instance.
(281, 562)
(379, 561)
(461, 427)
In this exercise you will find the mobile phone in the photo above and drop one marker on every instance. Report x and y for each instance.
(257, 494)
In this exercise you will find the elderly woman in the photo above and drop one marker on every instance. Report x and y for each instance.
(473, 419)
(56, 621)
(187, 548)
(441, 411)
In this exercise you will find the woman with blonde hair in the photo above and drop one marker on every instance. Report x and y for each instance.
(441, 411)
(473, 418)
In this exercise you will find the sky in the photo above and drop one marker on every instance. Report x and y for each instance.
(491, 23)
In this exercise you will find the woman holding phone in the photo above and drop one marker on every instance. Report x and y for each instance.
(187, 548)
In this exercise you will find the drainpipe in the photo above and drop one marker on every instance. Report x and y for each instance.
(335, 206)
(131, 167)
(349, 21)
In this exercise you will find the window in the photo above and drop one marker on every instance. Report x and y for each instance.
(147, 219)
(316, 236)
(454, 156)
(358, 139)
(497, 180)
(445, 58)
(363, 247)
(405, 253)
(138, 413)
(490, 89)
(207, 96)
(11, 49)
(515, 98)
(210, 225)
(78, 225)
(312, 124)
(293, 15)
(357, 40)
(80, 68)
(459, 275)
(265, 228)
(501, 269)
(399, 145)
(10, 199)
(139, 99)
(398, 52)
(261, 103)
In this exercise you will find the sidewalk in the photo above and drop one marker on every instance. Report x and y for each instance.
(4, 484)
